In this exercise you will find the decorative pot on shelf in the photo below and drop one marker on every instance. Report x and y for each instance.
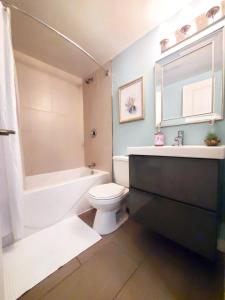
(212, 142)
(212, 139)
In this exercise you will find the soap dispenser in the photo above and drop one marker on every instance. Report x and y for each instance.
(159, 137)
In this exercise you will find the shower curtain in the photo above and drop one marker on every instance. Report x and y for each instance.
(10, 160)
(1, 274)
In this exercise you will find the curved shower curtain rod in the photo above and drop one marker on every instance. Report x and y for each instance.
(12, 6)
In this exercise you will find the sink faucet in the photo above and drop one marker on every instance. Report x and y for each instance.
(179, 139)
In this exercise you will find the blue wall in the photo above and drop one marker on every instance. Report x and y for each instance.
(136, 61)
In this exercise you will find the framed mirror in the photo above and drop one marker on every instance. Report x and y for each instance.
(189, 84)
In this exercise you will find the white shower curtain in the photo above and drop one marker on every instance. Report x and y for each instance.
(11, 162)
(2, 297)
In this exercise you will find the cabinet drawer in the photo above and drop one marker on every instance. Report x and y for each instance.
(192, 227)
(190, 180)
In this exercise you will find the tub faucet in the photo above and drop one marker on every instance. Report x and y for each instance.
(179, 139)
(92, 165)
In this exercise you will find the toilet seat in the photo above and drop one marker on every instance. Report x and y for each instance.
(106, 191)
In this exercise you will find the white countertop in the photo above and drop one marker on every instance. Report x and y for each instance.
(217, 152)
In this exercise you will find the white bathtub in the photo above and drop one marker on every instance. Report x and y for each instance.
(49, 198)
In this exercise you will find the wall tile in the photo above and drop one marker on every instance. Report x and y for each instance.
(35, 88)
(51, 116)
(98, 115)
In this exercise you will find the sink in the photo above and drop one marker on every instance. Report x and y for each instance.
(217, 152)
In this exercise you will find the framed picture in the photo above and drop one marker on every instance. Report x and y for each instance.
(131, 107)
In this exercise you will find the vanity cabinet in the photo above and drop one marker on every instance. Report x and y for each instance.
(178, 198)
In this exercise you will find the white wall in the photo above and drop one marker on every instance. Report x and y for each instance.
(51, 116)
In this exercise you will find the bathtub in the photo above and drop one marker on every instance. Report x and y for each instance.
(49, 198)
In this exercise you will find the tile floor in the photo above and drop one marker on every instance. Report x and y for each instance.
(133, 264)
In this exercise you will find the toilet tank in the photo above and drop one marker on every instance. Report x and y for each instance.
(121, 170)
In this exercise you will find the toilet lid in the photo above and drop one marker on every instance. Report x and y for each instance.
(106, 191)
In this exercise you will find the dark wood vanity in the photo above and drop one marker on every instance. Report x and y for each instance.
(178, 191)
(179, 198)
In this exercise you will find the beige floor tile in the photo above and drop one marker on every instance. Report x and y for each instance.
(129, 245)
(99, 278)
(93, 250)
(172, 272)
(208, 280)
(88, 217)
(145, 284)
(127, 237)
(133, 263)
(132, 228)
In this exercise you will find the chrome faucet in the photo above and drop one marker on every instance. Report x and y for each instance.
(179, 139)
(92, 165)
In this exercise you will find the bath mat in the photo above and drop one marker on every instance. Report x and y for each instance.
(29, 261)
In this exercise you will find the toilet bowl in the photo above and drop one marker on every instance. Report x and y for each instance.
(109, 198)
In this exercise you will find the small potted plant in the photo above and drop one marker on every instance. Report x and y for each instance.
(212, 139)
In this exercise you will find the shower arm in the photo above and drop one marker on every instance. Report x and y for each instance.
(66, 38)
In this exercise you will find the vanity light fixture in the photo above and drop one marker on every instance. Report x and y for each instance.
(212, 12)
(222, 5)
(199, 23)
(184, 29)
(164, 44)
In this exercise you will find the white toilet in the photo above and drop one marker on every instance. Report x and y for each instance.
(107, 198)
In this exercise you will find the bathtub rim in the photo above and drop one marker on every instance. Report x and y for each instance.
(31, 190)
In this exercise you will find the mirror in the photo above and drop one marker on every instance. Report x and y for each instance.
(189, 83)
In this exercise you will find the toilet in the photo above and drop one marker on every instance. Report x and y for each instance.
(108, 198)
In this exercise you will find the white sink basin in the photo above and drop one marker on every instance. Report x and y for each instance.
(180, 151)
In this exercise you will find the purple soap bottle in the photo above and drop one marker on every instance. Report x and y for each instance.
(159, 138)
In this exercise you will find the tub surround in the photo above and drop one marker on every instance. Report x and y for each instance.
(51, 117)
(98, 115)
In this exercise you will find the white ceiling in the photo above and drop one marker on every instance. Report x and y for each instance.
(103, 27)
